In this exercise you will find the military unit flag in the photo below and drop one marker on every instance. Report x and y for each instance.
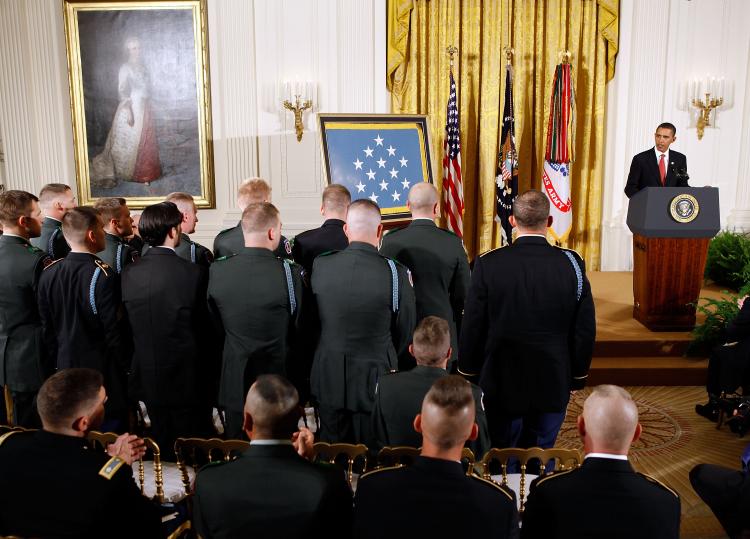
(506, 189)
(453, 196)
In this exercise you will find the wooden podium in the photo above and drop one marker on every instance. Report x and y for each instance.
(671, 227)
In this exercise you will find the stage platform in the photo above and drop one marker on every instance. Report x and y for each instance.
(628, 353)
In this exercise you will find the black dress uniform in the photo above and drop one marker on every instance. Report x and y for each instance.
(22, 368)
(365, 304)
(79, 303)
(432, 498)
(189, 250)
(294, 499)
(256, 299)
(440, 268)
(528, 333)
(231, 241)
(603, 498)
(54, 486)
(117, 253)
(311, 243)
(164, 298)
(398, 399)
(52, 241)
(727, 493)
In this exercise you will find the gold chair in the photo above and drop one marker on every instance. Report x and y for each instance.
(102, 439)
(564, 459)
(403, 455)
(196, 452)
(332, 453)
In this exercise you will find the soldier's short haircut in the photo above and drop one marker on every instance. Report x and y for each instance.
(179, 196)
(272, 402)
(444, 411)
(431, 340)
(110, 207)
(78, 221)
(423, 196)
(336, 197)
(531, 209)
(259, 217)
(363, 216)
(15, 204)
(156, 222)
(67, 395)
(667, 125)
(253, 190)
(51, 191)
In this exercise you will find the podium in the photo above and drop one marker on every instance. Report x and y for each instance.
(671, 228)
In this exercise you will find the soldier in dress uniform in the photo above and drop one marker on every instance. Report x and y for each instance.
(256, 299)
(55, 199)
(434, 497)
(135, 240)
(79, 302)
(188, 249)
(54, 485)
(365, 307)
(436, 258)
(528, 330)
(231, 241)
(330, 235)
(605, 497)
(118, 225)
(22, 367)
(399, 396)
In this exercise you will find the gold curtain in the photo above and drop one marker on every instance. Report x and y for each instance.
(419, 31)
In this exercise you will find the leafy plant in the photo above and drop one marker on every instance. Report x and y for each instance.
(719, 313)
(728, 260)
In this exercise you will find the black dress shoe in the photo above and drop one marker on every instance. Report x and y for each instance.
(710, 410)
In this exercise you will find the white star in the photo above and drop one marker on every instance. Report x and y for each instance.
(405, 183)
(357, 164)
(378, 141)
(396, 196)
(403, 161)
(383, 185)
(380, 163)
(373, 197)
(368, 151)
(394, 173)
(370, 175)
(360, 186)
(391, 151)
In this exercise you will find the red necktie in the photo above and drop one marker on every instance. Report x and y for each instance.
(662, 169)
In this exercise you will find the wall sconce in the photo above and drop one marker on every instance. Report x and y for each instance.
(298, 96)
(705, 95)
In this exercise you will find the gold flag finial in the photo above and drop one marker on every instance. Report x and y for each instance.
(451, 51)
(509, 52)
(565, 56)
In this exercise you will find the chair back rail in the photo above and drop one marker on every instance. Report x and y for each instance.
(196, 452)
(323, 451)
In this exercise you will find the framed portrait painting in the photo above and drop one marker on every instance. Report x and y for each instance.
(140, 100)
(377, 156)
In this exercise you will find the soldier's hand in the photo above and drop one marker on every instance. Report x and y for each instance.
(303, 442)
(127, 447)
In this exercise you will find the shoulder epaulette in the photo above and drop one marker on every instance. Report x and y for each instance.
(553, 475)
(448, 232)
(656, 481)
(103, 266)
(490, 251)
(7, 435)
(571, 250)
(383, 469)
(213, 464)
(226, 230)
(33, 249)
(225, 257)
(394, 230)
(497, 486)
(48, 266)
(331, 252)
(110, 468)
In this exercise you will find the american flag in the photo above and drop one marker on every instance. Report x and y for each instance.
(453, 194)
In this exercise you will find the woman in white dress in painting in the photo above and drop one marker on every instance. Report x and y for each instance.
(131, 152)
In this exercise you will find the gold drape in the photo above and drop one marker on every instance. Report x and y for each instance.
(419, 32)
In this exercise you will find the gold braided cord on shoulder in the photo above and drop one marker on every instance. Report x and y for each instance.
(540, 29)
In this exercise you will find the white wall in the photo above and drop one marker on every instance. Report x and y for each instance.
(663, 43)
(253, 45)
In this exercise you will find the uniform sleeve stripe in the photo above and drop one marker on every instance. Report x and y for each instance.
(290, 287)
(92, 290)
(394, 281)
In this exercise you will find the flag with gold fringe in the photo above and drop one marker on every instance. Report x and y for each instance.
(559, 153)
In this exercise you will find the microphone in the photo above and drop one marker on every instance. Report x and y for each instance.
(679, 172)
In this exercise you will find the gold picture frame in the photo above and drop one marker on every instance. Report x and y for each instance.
(140, 100)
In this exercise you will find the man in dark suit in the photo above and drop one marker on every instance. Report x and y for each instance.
(54, 485)
(659, 166)
(436, 258)
(365, 305)
(164, 297)
(22, 367)
(528, 330)
(117, 226)
(256, 300)
(330, 236)
(231, 241)
(80, 307)
(399, 396)
(727, 493)
(605, 497)
(55, 199)
(271, 490)
(413, 501)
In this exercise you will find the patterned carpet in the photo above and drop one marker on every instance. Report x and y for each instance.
(674, 440)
